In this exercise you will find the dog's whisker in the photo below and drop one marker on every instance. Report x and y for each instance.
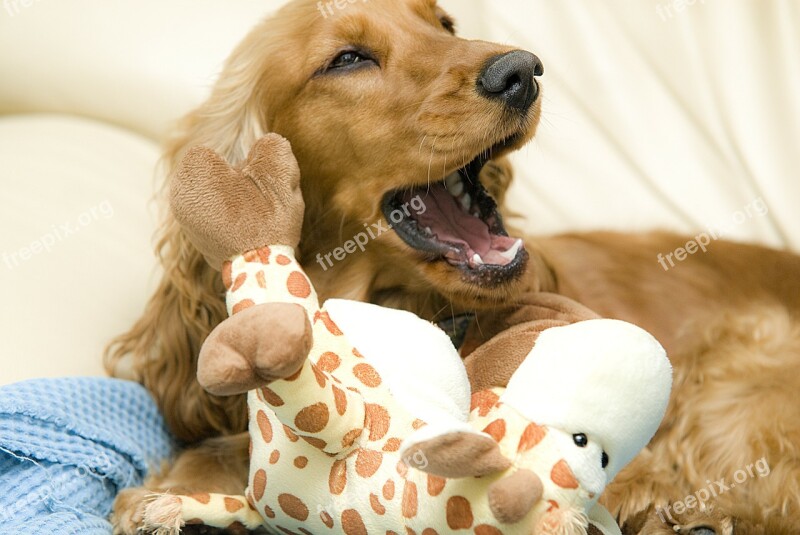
(430, 162)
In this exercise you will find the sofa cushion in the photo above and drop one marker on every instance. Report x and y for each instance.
(75, 250)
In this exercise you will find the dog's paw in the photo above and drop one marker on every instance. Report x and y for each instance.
(127, 517)
(702, 521)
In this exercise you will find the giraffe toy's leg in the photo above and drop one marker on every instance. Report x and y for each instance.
(167, 514)
(268, 336)
(267, 275)
(303, 396)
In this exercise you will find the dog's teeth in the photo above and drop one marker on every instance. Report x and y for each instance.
(452, 180)
(477, 260)
(429, 231)
(511, 254)
(466, 202)
(454, 185)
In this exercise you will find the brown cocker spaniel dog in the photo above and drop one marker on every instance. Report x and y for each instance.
(383, 103)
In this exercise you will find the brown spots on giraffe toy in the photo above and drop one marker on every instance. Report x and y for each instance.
(340, 400)
(258, 255)
(264, 426)
(388, 490)
(270, 397)
(290, 434)
(376, 505)
(232, 505)
(202, 497)
(436, 485)
(459, 513)
(351, 438)
(337, 480)
(312, 419)
(352, 523)
(410, 499)
(239, 282)
(496, 429)
(259, 484)
(562, 475)
(328, 362)
(531, 437)
(367, 375)
(379, 421)
(325, 318)
(392, 445)
(326, 519)
(368, 462)
(298, 285)
(243, 305)
(293, 506)
(483, 402)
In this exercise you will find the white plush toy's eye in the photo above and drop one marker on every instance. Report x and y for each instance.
(580, 440)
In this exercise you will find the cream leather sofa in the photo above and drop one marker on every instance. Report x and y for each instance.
(675, 114)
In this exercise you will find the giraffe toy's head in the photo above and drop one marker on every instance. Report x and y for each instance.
(586, 399)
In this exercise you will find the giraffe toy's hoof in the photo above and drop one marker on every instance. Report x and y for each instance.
(255, 347)
(162, 516)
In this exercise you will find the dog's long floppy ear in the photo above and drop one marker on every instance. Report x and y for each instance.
(497, 344)
(233, 117)
(161, 349)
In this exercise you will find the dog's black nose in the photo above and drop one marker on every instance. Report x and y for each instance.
(510, 78)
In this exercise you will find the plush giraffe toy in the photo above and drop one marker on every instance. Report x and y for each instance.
(361, 417)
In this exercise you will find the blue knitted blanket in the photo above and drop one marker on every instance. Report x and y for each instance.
(67, 446)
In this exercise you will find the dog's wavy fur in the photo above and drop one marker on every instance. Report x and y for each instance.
(730, 319)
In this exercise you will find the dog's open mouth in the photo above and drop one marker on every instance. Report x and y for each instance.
(457, 221)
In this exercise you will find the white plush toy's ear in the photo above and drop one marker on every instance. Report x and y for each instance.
(604, 378)
(416, 360)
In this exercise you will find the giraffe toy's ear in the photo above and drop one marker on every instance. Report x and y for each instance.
(455, 454)
(497, 344)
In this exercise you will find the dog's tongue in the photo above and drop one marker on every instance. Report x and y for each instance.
(450, 223)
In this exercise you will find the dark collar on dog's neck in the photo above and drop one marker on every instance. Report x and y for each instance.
(456, 327)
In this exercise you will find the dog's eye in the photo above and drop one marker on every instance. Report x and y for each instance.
(448, 24)
(580, 440)
(349, 59)
(604, 459)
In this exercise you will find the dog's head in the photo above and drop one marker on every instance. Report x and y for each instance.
(393, 118)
